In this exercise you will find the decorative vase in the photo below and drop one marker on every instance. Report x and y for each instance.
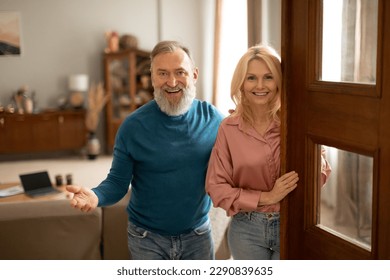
(93, 146)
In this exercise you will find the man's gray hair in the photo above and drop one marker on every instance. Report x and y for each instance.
(168, 47)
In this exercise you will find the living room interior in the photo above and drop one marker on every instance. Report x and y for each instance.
(64, 39)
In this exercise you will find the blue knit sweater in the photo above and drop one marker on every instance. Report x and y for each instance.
(165, 159)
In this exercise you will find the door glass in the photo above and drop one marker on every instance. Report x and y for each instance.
(346, 198)
(349, 41)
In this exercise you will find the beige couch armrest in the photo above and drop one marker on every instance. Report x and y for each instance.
(48, 230)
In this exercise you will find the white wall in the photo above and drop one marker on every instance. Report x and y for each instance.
(192, 22)
(64, 37)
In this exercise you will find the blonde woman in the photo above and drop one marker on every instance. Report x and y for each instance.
(243, 175)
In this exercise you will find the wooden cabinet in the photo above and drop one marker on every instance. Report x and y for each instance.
(43, 132)
(127, 81)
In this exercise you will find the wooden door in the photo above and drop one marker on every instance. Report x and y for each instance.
(350, 117)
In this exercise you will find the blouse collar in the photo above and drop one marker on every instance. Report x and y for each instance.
(246, 128)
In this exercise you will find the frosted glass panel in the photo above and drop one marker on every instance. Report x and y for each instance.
(346, 198)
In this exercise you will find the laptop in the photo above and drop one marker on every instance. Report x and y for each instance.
(37, 184)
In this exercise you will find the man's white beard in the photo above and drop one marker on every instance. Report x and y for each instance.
(181, 107)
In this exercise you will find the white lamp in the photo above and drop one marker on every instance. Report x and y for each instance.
(77, 84)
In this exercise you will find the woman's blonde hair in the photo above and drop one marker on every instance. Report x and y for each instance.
(272, 59)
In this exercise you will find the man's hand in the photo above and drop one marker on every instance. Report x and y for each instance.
(83, 198)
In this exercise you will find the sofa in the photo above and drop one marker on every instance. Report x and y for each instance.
(52, 230)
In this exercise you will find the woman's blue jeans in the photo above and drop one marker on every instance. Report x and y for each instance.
(255, 236)
(147, 245)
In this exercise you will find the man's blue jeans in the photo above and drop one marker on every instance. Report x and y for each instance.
(255, 236)
(147, 245)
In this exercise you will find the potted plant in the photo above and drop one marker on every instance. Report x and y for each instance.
(96, 101)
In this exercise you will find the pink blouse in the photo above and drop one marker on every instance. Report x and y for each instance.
(242, 165)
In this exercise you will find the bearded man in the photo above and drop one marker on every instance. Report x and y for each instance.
(162, 150)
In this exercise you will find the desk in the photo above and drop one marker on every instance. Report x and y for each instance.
(23, 197)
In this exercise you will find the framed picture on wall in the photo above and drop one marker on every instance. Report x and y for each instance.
(10, 34)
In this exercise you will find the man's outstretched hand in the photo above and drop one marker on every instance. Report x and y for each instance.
(83, 198)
